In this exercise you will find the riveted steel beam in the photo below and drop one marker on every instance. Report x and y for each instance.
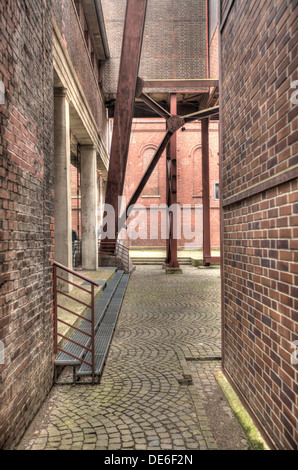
(206, 191)
(146, 176)
(175, 124)
(174, 85)
(126, 93)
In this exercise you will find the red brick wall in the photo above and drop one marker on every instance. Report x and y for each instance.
(260, 224)
(174, 44)
(214, 55)
(26, 213)
(147, 135)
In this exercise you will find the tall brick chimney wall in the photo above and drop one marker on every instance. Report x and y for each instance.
(260, 215)
(26, 208)
(174, 44)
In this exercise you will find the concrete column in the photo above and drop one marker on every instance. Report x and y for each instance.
(89, 208)
(63, 226)
(101, 202)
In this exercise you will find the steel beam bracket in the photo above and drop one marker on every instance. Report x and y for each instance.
(174, 123)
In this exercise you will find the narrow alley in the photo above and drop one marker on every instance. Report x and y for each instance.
(158, 390)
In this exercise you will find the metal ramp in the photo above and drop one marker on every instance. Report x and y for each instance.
(105, 331)
(78, 352)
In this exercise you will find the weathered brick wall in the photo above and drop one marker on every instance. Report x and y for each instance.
(174, 44)
(214, 55)
(260, 224)
(71, 27)
(26, 207)
(145, 137)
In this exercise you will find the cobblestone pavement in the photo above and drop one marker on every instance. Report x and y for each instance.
(158, 390)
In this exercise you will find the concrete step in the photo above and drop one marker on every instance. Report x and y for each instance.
(158, 261)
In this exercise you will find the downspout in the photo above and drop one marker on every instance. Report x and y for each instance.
(102, 27)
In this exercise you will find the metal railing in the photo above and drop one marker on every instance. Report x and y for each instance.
(114, 253)
(57, 268)
(77, 253)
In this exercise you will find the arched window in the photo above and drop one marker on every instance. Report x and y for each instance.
(152, 186)
(196, 154)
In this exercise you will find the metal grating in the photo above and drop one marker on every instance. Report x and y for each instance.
(101, 306)
(105, 331)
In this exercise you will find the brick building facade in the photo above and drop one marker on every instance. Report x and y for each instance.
(178, 43)
(145, 138)
(56, 84)
(27, 212)
(260, 193)
(174, 43)
(51, 106)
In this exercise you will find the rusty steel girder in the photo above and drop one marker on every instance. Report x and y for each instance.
(124, 108)
(130, 86)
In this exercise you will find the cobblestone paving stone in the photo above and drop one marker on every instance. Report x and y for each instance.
(158, 390)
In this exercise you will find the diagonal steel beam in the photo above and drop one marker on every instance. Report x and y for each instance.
(146, 176)
(149, 101)
(204, 113)
(155, 106)
(124, 108)
(173, 124)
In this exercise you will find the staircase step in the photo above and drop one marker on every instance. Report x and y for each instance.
(160, 261)
(100, 307)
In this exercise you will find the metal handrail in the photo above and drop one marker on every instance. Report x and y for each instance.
(91, 306)
(115, 249)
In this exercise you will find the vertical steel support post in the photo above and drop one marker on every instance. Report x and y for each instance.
(173, 261)
(206, 190)
(168, 203)
(124, 107)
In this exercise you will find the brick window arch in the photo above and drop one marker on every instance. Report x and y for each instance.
(152, 186)
(196, 156)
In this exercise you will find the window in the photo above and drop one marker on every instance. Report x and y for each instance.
(216, 191)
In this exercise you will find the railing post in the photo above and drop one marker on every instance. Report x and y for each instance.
(55, 311)
(92, 333)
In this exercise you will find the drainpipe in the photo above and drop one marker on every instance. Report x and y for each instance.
(102, 27)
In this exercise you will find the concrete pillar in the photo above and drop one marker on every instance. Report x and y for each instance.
(101, 202)
(63, 225)
(89, 208)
